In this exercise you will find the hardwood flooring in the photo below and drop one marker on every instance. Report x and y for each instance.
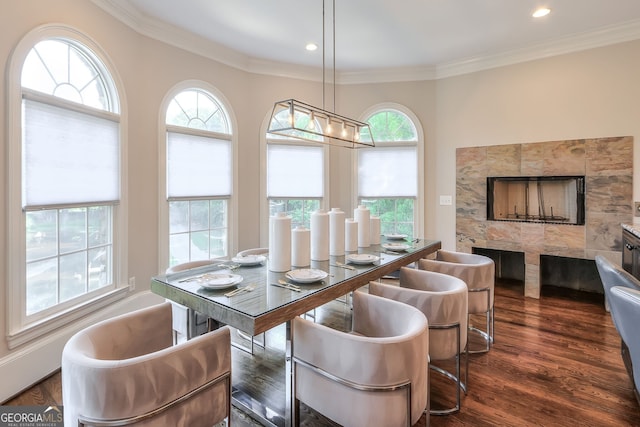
(555, 362)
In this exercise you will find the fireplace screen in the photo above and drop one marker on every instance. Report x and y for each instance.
(555, 199)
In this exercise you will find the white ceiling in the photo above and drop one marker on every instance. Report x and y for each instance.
(380, 39)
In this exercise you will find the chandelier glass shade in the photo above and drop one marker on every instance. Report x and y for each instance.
(295, 119)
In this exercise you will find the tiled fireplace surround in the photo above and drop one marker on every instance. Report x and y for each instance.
(606, 163)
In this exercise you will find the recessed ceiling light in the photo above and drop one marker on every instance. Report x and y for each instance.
(311, 47)
(543, 11)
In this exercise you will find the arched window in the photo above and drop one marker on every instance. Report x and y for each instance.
(389, 174)
(67, 211)
(295, 176)
(199, 176)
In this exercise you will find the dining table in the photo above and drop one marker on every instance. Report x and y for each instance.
(263, 301)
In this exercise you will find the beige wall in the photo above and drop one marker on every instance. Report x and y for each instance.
(589, 94)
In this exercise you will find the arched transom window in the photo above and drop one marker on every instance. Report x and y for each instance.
(199, 176)
(388, 173)
(70, 177)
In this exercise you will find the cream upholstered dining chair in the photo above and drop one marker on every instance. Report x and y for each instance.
(478, 272)
(125, 371)
(625, 310)
(374, 376)
(443, 299)
(253, 251)
(188, 323)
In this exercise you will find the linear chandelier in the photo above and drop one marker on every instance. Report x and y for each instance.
(296, 119)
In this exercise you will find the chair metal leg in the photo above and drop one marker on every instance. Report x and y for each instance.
(493, 324)
(455, 378)
(427, 410)
(311, 314)
(252, 340)
(466, 366)
(487, 335)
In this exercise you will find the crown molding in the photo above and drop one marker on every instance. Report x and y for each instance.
(388, 75)
(601, 37)
(198, 45)
(172, 35)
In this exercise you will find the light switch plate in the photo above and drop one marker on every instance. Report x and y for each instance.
(446, 200)
(636, 209)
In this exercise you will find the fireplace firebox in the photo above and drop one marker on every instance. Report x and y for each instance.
(549, 199)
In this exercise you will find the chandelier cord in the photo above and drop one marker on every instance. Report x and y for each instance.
(350, 130)
(334, 56)
(324, 65)
(323, 57)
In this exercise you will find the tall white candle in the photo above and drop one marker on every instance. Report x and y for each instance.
(362, 216)
(336, 232)
(351, 235)
(300, 247)
(320, 235)
(280, 242)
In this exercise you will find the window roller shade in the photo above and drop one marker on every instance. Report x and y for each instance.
(294, 171)
(387, 172)
(198, 166)
(69, 156)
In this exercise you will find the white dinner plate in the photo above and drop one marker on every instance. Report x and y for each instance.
(249, 259)
(306, 275)
(219, 281)
(362, 258)
(395, 236)
(396, 246)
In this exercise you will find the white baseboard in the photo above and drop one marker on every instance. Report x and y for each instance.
(30, 364)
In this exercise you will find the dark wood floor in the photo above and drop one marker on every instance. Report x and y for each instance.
(556, 362)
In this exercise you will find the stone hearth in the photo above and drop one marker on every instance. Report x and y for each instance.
(606, 163)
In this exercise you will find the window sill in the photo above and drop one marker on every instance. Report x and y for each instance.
(46, 326)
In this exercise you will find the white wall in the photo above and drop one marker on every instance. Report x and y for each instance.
(588, 94)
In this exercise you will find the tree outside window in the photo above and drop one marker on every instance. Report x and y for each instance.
(387, 174)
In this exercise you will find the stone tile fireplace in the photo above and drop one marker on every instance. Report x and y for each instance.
(606, 165)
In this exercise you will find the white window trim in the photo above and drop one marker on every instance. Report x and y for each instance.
(18, 331)
(264, 201)
(163, 205)
(418, 208)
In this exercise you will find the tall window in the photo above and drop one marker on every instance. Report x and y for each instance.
(388, 178)
(70, 176)
(295, 177)
(199, 176)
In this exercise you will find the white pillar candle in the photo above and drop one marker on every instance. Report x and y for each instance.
(351, 235)
(280, 242)
(320, 235)
(336, 232)
(300, 247)
(362, 216)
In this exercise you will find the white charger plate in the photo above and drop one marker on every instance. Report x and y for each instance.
(396, 246)
(249, 259)
(219, 281)
(306, 275)
(395, 236)
(362, 258)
